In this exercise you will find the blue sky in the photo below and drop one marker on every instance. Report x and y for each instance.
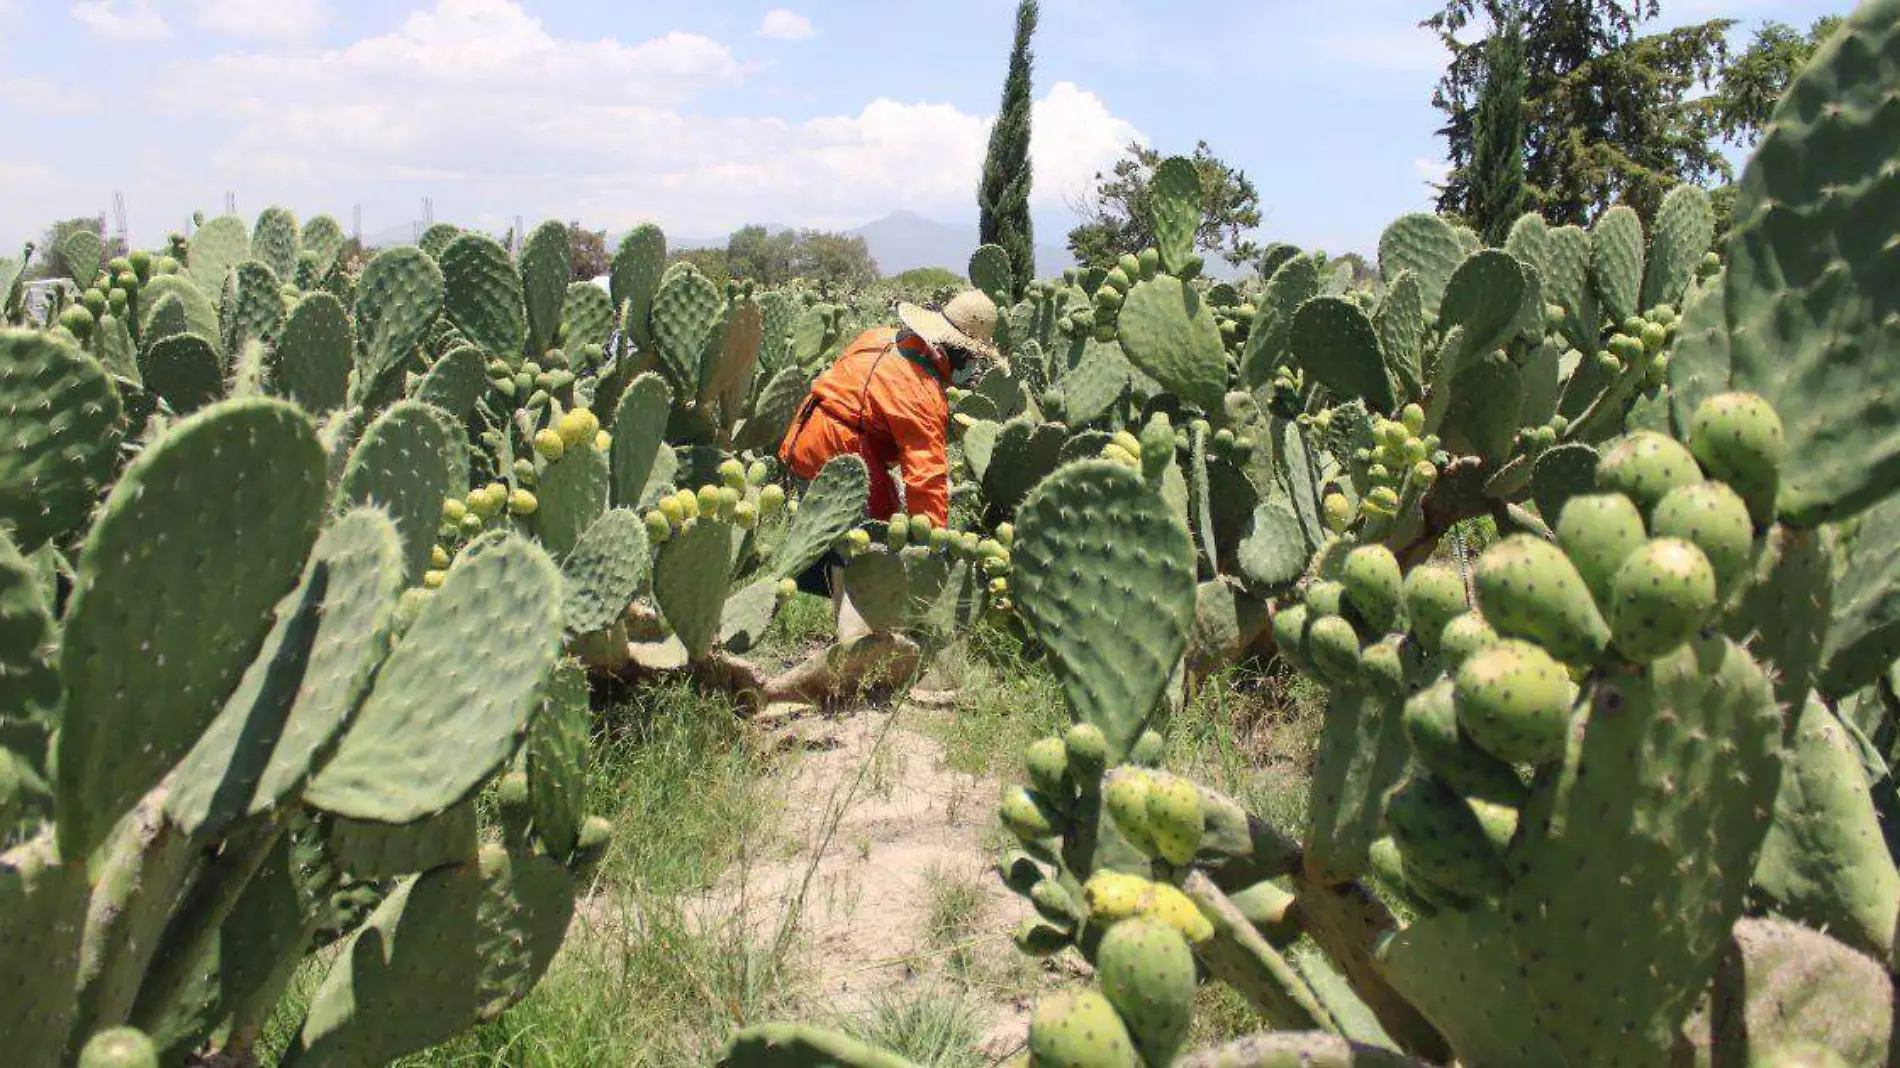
(706, 115)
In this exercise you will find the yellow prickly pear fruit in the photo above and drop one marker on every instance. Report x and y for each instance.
(1025, 816)
(771, 499)
(1177, 910)
(860, 539)
(745, 515)
(1175, 820)
(1338, 512)
(1122, 456)
(728, 500)
(603, 442)
(708, 497)
(1129, 442)
(1412, 417)
(1006, 535)
(521, 502)
(578, 427)
(438, 556)
(670, 509)
(659, 528)
(1113, 895)
(549, 444)
(688, 502)
(732, 473)
(786, 588)
(1125, 792)
(453, 509)
(999, 585)
(433, 579)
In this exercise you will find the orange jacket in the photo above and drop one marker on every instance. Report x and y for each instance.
(885, 402)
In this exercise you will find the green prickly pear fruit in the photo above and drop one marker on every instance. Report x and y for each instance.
(1379, 473)
(941, 540)
(1599, 531)
(729, 499)
(920, 529)
(480, 504)
(1441, 839)
(1118, 279)
(1150, 260)
(1715, 519)
(708, 497)
(1373, 585)
(1146, 971)
(1079, 1029)
(1383, 500)
(521, 502)
(732, 473)
(658, 528)
(1175, 820)
(1157, 447)
(897, 533)
(453, 509)
(1430, 719)
(745, 515)
(1048, 762)
(967, 543)
(524, 383)
(1663, 594)
(471, 525)
(591, 844)
(1333, 646)
(757, 473)
(1088, 753)
(1527, 588)
(1654, 337)
(1005, 535)
(121, 1047)
(1325, 597)
(1412, 417)
(524, 471)
(531, 369)
(1514, 702)
(1289, 635)
(1148, 750)
(1338, 512)
(438, 557)
(1026, 816)
(1738, 438)
(1382, 669)
(1434, 596)
(771, 499)
(1055, 903)
(78, 321)
(1644, 466)
(1129, 265)
(1125, 794)
(1035, 938)
(549, 444)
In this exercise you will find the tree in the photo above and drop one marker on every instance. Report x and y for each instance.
(833, 258)
(1497, 195)
(1753, 83)
(1002, 197)
(710, 261)
(589, 253)
(50, 259)
(755, 253)
(1607, 114)
(1116, 215)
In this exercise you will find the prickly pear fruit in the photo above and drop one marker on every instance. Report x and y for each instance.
(121, 1047)
(1528, 588)
(1087, 747)
(1434, 596)
(1333, 646)
(1175, 819)
(1289, 635)
(1464, 637)
(1514, 702)
(1382, 666)
(1715, 519)
(1079, 1029)
(745, 515)
(897, 533)
(1112, 895)
(1326, 598)
(1431, 726)
(1738, 438)
(1598, 531)
(1125, 794)
(786, 588)
(1054, 903)
(1373, 584)
(453, 509)
(1338, 512)
(549, 444)
(521, 502)
(1146, 970)
(1174, 908)
(1147, 750)
(1439, 836)
(578, 427)
(732, 473)
(708, 498)
(1048, 763)
(1644, 466)
(771, 499)
(1663, 594)
(1026, 816)
(757, 473)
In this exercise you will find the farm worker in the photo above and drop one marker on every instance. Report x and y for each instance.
(884, 400)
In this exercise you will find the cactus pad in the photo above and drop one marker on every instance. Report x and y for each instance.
(1362, 753)
(1616, 261)
(1484, 295)
(183, 371)
(1336, 345)
(546, 269)
(1146, 971)
(1680, 236)
(557, 761)
(635, 277)
(572, 496)
(408, 460)
(1811, 290)
(219, 245)
(1171, 336)
(601, 576)
(299, 692)
(1175, 206)
(1104, 576)
(639, 429)
(239, 488)
(398, 299)
(59, 415)
(452, 701)
(832, 504)
(690, 580)
(42, 918)
(686, 310)
(1079, 1028)
(314, 354)
(482, 296)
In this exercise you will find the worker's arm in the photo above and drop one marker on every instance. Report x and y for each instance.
(883, 500)
(919, 420)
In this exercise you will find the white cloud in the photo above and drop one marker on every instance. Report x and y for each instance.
(39, 96)
(122, 20)
(783, 25)
(1434, 171)
(475, 103)
(277, 19)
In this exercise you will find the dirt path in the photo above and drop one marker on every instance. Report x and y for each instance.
(888, 855)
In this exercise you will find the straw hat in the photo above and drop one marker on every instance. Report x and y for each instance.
(968, 322)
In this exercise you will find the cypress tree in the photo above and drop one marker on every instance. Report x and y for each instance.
(1003, 196)
(1498, 195)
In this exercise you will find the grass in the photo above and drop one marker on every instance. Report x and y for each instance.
(935, 1025)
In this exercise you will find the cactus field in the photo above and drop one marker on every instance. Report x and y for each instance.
(322, 586)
